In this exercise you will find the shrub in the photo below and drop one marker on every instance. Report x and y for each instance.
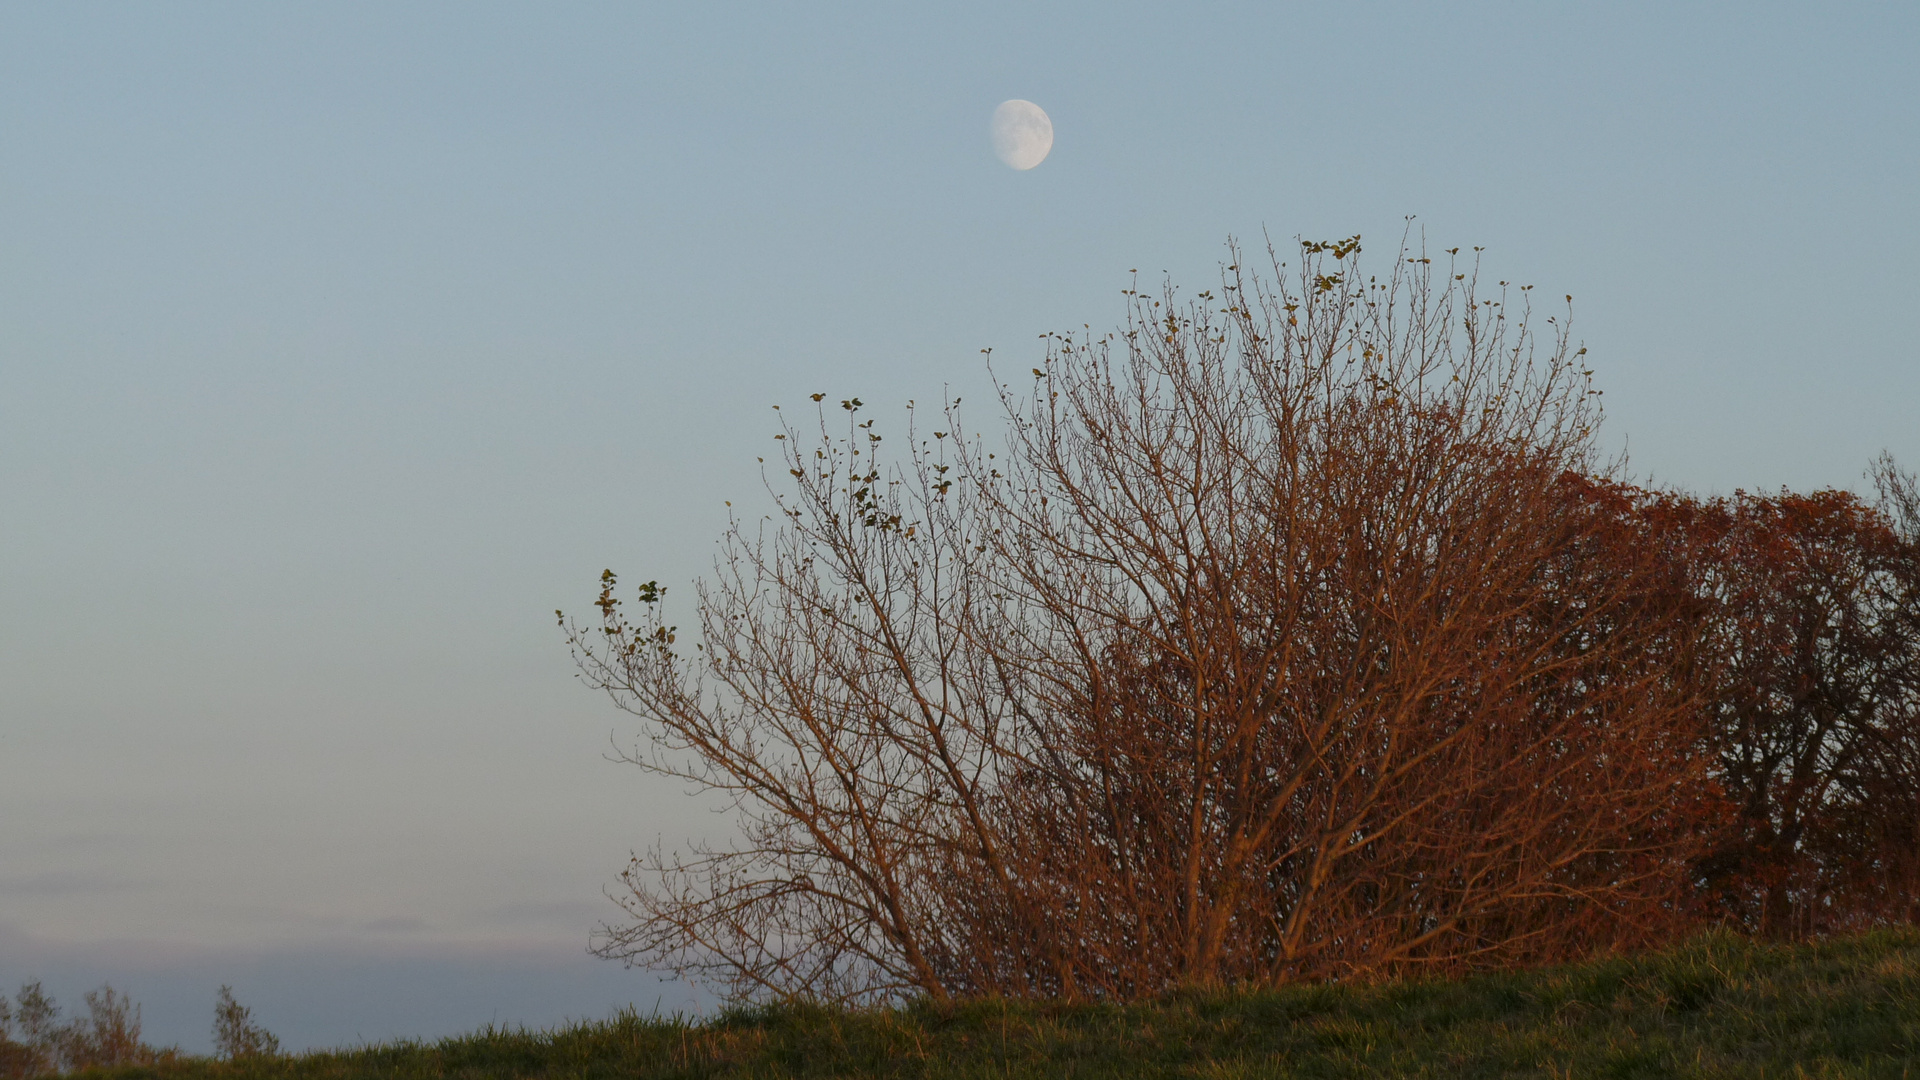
(1295, 632)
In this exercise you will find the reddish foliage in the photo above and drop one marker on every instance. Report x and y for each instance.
(1300, 637)
(1815, 706)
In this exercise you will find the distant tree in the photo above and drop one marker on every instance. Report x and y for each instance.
(236, 1036)
(32, 1039)
(1816, 705)
(12, 1054)
(34, 1042)
(1297, 631)
(110, 1034)
(16, 1057)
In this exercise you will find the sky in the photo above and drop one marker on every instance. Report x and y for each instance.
(341, 344)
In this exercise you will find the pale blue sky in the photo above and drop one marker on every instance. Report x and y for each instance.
(339, 345)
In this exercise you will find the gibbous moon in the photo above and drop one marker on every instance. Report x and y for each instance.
(1022, 134)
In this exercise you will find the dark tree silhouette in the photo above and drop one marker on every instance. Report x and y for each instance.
(1816, 705)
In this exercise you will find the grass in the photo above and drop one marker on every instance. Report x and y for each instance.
(1720, 1006)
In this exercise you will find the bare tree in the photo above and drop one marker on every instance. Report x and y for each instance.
(35, 1042)
(236, 1035)
(30, 1032)
(1898, 497)
(110, 1034)
(1376, 671)
(1294, 631)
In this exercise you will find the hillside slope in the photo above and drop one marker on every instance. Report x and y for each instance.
(1719, 1007)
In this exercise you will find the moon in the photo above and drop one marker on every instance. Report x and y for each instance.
(1022, 134)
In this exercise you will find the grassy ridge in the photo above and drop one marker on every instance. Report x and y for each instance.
(1719, 1007)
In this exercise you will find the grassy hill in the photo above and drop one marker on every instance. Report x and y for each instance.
(1719, 1007)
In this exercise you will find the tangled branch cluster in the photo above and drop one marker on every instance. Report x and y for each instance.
(1296, 631)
